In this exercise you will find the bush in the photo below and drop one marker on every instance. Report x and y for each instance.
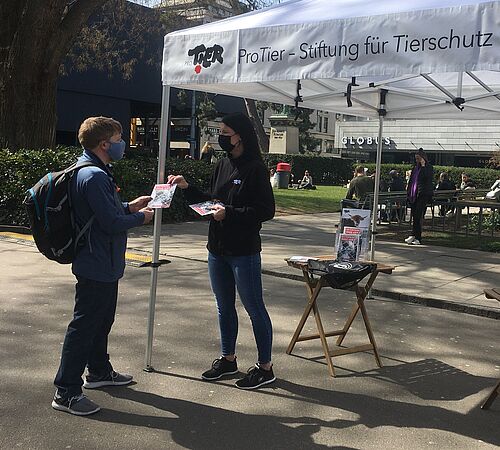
(491, 222)
(483, 178)
(137, 175)
(324, 170)
(22, 169)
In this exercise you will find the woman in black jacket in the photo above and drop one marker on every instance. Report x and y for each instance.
(420, 189)
(240, 186)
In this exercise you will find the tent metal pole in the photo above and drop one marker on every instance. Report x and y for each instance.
(382, 112)
(162, 151)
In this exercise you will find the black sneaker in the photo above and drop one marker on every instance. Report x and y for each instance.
(256, 377)
(78, 405)
(111, 379)
(220, 367)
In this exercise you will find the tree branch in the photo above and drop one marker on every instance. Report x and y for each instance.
(74, 17)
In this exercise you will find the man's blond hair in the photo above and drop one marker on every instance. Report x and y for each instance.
(96, 129)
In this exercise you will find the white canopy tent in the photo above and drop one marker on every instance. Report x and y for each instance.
(372, 58)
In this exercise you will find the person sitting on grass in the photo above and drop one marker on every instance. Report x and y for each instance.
(307, 181)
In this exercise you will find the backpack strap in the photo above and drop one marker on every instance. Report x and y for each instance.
(74, 168)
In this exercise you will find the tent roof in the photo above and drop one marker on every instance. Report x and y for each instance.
(435, 58)
(313, 11)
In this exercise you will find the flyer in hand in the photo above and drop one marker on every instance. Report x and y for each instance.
(205, 208)
(162, 195)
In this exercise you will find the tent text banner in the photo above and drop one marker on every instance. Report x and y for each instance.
(387, 45)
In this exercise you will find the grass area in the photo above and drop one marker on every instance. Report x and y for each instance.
(327, 199)
(304, 201)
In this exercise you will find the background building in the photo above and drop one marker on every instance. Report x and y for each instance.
(200, 11)
(460, 143)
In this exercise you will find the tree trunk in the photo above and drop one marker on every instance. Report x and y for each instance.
(259, 127)
(28, 110)
(34, 40)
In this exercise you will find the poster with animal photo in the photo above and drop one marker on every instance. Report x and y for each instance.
(359, 218)
(354, 222)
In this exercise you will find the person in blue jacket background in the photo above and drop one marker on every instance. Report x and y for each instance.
(98, 265)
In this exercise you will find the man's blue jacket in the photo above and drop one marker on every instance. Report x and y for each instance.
(94, 193)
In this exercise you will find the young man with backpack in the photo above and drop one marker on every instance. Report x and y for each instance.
(98, 265)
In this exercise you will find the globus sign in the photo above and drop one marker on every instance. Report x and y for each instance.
(360, 140)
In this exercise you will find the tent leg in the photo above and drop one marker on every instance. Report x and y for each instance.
(376, 187)
(164, 125)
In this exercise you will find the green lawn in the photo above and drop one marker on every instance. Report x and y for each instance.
(303, 201)
(327, 199)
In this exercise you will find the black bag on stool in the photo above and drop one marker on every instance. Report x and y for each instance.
(340, 275)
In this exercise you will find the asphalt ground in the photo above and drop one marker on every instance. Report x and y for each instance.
(438, 366)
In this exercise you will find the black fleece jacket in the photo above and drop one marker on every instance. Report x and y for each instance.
(243, 186)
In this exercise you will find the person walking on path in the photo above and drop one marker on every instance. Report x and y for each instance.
(98, 265)
(240, 185)
(420, 189)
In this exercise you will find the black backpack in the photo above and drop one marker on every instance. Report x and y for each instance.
(340, 275)
(52, 221)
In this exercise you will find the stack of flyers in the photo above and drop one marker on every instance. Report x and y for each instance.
(205, 208)
(162, 195)
(348, 248)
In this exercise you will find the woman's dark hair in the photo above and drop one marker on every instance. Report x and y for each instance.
(421, 153)
(243, 126)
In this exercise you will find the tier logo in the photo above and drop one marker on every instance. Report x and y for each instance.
(206, 56)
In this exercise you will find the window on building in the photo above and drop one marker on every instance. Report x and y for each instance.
(325, 124)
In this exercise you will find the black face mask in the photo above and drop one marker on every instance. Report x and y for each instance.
(225, 143)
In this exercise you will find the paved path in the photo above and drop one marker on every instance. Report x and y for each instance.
(439, 276)
(438, 365)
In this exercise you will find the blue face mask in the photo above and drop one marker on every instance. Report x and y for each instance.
(116, 150)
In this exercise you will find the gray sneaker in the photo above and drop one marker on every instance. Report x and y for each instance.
(78, 405)
(111, 379)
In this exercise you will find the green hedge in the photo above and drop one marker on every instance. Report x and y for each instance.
(22, 169)
(483, 178)
(136, 176)
(324, 170)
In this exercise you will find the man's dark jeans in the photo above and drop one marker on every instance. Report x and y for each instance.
(86, 341)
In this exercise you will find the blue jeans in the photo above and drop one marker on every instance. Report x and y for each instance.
(86, 341)
(228, 273)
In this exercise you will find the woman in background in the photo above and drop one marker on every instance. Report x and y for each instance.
(420, 189)
(207, 153)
